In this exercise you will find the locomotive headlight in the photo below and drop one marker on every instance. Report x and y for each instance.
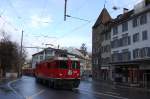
(60, 74)
(69, 72)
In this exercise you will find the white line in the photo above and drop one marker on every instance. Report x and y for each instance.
(28, 97)
(99, 93)
(36, 94)
(9, 85)
(113, 93)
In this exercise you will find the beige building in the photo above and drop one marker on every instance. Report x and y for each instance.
(85, 61)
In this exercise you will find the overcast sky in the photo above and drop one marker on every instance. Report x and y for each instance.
(42, 20)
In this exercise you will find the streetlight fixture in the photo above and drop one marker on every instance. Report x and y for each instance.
(77, 18)
(49, 44)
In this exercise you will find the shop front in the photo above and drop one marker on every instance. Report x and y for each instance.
(127, 73)
(134, 74)
(104, 73)
(145, 74)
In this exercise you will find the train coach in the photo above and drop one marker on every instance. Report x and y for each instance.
(28, 71)
(59, 72)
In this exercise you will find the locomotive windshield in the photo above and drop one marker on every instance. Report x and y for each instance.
(75, 65)
(64, 65)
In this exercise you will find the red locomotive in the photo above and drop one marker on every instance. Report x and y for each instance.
(59, 71)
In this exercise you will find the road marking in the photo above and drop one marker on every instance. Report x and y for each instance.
(34, 95)
(113, 93)
(105, 94)
(9, 85)
(20, 95)
(38, 93)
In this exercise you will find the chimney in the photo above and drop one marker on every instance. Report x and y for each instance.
(125, 10)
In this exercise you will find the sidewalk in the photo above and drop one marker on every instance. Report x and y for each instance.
(5, 91)
(3, 81)
(3, 84)
(115, 85)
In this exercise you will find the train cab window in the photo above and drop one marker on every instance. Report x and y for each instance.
(75, 65)
(63, 64)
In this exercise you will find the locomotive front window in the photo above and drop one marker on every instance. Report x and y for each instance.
(75, 65)
(63, 64)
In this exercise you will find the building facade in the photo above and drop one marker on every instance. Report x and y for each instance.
(106, 52)
(130, 46)
(85, 61)
(101, 46)
(46, 54)
(42, 55)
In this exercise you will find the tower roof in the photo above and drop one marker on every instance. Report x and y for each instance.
(103, 18)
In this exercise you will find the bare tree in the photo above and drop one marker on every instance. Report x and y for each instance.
(83, 49)
(10, 57)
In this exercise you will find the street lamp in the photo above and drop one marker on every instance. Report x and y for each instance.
(49, 44)
(77, 18)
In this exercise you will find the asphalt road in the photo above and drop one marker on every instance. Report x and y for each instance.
(27, 88)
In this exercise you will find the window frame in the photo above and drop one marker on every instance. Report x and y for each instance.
(136, 37)
(125, 26)
(144, 35)
(143, 19)
(77, 65)
(115, 30)
(135, 22)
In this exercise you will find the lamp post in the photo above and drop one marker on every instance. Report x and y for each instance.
(65, 10)
(21, 42)
(49, 44)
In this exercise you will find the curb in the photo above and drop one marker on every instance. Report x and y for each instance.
(120, 86)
